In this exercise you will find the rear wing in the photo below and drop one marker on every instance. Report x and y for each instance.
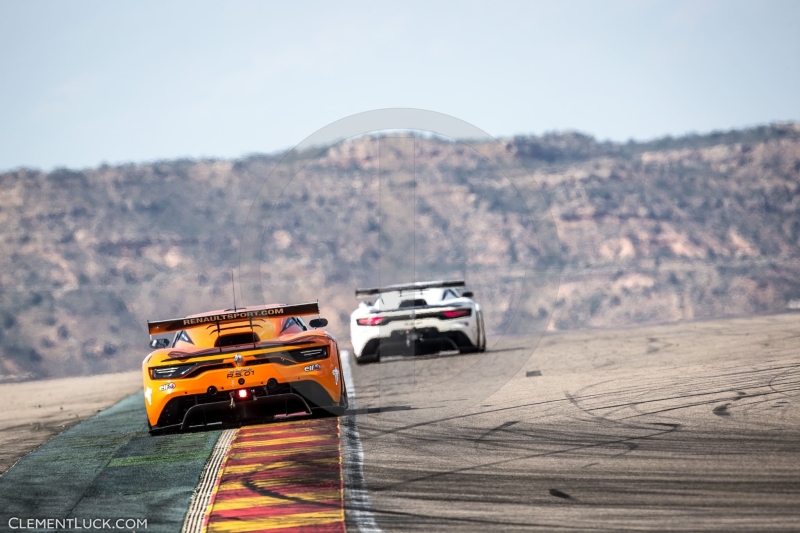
(177, 324)
(421, 285)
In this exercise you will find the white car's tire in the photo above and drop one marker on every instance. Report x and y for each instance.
(363, 360)
(482, 334)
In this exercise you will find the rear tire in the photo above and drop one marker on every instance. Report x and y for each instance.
(482, 330)
(480, 341)
(366, 360)
(333, 410)
(150, 430)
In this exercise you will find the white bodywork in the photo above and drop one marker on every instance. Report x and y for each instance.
(413, 321)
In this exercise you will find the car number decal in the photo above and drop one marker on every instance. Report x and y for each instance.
(241, 373)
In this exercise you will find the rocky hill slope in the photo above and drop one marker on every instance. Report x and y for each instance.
(674, 229)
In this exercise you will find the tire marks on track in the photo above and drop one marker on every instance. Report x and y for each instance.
(634, 448)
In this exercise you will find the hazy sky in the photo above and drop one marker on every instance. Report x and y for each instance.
(83, 83)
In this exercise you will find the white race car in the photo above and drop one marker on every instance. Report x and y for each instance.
(416, 318)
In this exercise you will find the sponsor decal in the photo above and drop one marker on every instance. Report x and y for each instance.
(336, 375)
(238, 359)
(240, 373)
(300, 309)
(309, 368)
(148, 394)
(168, 387)
(277, 311)
(162, 326)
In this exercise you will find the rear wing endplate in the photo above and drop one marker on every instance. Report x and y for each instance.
(421, 285)
(177, 324)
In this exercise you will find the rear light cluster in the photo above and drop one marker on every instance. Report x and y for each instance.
(371, 321)
(290, 357)
(457, 313)
(186, 369)
(310, 354)
(444, 315)
(171, 371)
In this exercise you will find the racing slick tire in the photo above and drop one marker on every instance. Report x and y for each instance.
(480, 347)
(155, 432)
(333, 410)
(366, 360)
(482, 340)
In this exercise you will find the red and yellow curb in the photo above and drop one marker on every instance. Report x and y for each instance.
(281, 478)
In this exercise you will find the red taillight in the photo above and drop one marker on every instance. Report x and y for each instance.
(242, 394)
(371, 321)
(457, 313)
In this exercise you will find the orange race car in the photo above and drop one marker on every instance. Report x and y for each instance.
(224, 367)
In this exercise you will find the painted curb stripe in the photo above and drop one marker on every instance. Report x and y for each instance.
(217, 483)
(276, 510)
(260, 481)
(285, 464)
(281, 477)
(272, 441)
(306, 522)
(317, 499)
(208, 481)
(255, 435)
(299, 454)
(293, 486)
(262, 450)
(279, 466)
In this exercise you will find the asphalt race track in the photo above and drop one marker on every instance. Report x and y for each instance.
(689, 427)
(681, 428)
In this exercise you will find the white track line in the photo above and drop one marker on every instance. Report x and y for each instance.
(193, 523)
(358, 506)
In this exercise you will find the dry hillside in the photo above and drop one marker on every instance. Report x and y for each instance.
(674, 229)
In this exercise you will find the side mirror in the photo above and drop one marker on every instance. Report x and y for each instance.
(318, 323)
(159, 343)
(467, 294)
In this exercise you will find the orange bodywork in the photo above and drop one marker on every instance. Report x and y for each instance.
(211, 362)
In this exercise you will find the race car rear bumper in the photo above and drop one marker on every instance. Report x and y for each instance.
(416, 342)
(200, 410)
(265, 407)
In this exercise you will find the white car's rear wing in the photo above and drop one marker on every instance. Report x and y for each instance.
(419, 286)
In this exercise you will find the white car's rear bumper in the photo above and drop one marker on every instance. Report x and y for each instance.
(419, 334)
